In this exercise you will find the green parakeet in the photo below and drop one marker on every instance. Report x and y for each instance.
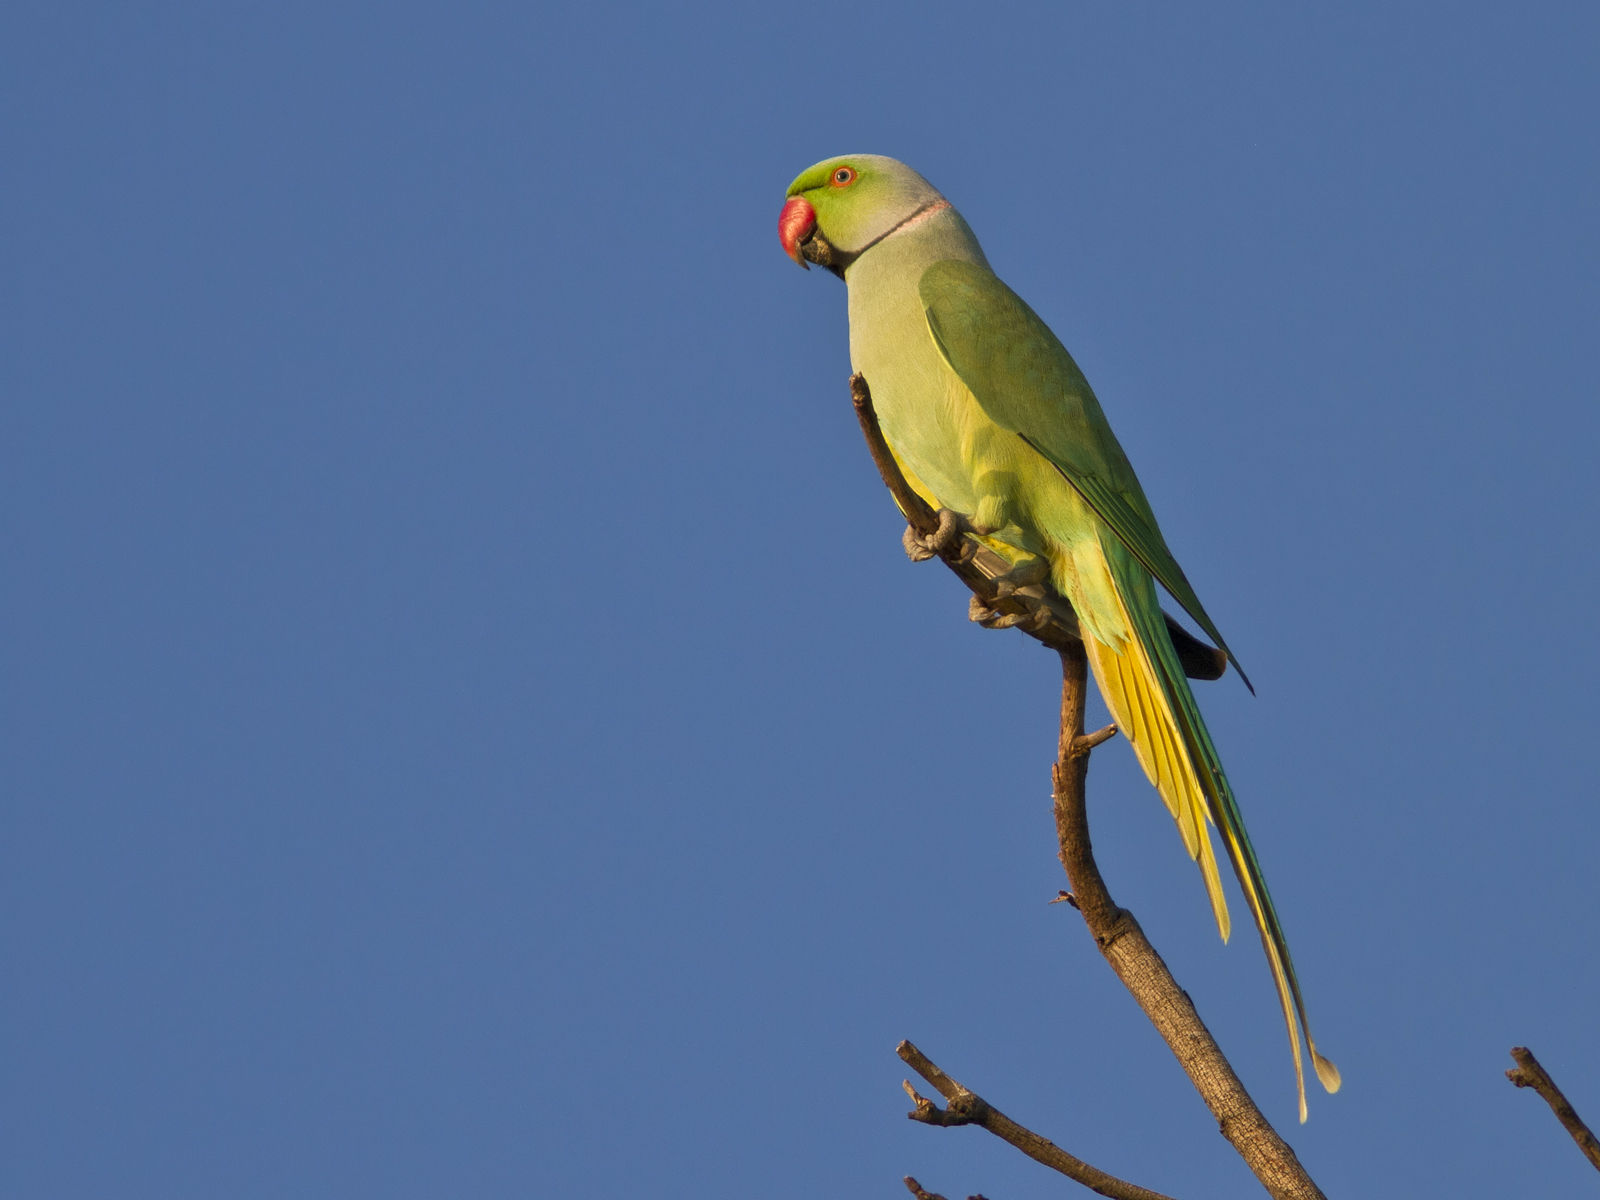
(988, 416)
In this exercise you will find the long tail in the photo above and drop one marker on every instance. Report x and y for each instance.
(1149, 697)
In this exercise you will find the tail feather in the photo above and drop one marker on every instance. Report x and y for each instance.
(1128, 684)
(1149, 697)
(1121, 678)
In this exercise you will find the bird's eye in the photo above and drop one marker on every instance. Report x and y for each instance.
(843, 176)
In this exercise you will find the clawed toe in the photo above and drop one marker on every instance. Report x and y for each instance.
(952, 528)
(916, 551)
(1032, 616)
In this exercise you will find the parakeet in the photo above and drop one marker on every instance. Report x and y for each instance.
(988, 416)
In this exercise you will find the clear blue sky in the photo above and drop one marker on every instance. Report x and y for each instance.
(469, 728)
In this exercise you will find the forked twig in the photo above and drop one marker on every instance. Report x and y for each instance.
(1529, 1073)
(967, 1108)
(921, 1193)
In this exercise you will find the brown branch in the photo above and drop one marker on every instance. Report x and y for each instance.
(1529, 1073)
(1082, 745)
(918, 511)
(1034, 608)
(966, 1108)
(1141, 969)
(917, 1190)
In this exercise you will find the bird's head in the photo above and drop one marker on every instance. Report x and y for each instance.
(843, 206)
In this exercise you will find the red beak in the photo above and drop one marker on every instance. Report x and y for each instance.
(795, 222)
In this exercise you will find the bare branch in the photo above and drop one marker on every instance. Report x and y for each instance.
(966, 1108)
(1529, 1073)
(1034, 608)
(1142, 970)
(917, 1190)
(1087, 742)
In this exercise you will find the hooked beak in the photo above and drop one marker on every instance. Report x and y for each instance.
(795, 223)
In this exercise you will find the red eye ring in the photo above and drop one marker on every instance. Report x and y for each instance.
(843, 177)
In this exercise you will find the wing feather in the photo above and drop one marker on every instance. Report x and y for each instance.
(1026, 382)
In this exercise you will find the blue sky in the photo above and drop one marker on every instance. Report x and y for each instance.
(468, 725)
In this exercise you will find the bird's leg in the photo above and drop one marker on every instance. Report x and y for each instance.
(952, 527)
(1024, 609)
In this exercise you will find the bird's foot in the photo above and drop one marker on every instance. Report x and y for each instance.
(1020, 611)
(1011, 606)
(1027, 573)
(915, 550)
(952, 528)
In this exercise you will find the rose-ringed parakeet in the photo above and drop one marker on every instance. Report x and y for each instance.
(989, 417)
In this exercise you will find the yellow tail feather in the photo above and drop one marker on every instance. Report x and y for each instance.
(1150, 703)
(1139, 706)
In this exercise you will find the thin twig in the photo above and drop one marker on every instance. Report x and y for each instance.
(967, 1108)
(1088, 741)
(917, 1190)
(1142, 970)
(1529, 1073)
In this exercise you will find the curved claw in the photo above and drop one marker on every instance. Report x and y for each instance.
(915, 550)
(981, 613)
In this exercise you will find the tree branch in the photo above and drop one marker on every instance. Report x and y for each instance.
(917, 1190)
(1529, 1073)
(1142, 970)
(966, 1108)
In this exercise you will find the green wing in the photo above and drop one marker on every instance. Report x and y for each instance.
(1027, 383)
